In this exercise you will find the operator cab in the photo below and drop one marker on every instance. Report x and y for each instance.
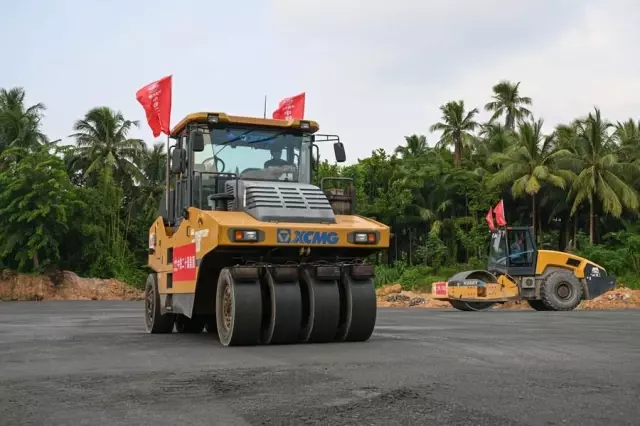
(215, 150)
(513, 251)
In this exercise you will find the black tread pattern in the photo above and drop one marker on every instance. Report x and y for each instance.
(323, 315)
(358, 309)
(284, 312)
(547, 294)
(247, 313)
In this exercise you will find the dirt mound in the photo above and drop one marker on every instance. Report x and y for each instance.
(65, 285)
(394, 296)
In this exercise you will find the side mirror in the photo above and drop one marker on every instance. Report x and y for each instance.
(196, 141)
(338, 149)
(178, 157)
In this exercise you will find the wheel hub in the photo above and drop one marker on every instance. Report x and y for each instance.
(149, 304)
(227, 306)
(563, 291)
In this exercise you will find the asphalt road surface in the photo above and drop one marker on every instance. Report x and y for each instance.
(91, 363)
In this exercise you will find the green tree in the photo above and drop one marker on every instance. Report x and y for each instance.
(507, 101)
(415, 147)
(19, 124)
(36, 197)
(600, 174)
(102, 138)
(530, 164)
(456, 127)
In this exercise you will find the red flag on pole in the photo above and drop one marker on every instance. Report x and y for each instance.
(499, 211)
(489, 218)
(291, 108)
(155, 98)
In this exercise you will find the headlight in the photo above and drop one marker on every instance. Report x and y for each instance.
(304, 125)
(213, 118)
(240, 235)
(364, 237)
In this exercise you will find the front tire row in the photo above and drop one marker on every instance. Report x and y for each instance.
(296, 308)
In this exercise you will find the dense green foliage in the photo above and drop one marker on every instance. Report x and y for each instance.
(87, 207)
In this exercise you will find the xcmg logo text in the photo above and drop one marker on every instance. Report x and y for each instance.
(289, 236)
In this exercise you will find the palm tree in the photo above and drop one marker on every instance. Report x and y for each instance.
(416, 146)
(530, 163)
(507, 100)
(628, 136)
(102, 139)
(456, 127)
(600, 174)
(20, 125)
(493, 137)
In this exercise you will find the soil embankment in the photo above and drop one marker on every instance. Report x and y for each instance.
(65, 285)
(395, 296)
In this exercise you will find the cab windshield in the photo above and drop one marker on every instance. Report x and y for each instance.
(253, 153)
(498, 248)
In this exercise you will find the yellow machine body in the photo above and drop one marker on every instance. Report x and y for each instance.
(208, 230)
(252, 250)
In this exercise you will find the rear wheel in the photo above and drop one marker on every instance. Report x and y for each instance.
(561, 291)
(155, 322)
(238, 310)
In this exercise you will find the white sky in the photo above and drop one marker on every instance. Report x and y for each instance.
(374, 71)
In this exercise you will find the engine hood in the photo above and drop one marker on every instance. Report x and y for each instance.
(269, 201)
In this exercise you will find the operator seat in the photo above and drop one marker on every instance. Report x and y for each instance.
(204, 182)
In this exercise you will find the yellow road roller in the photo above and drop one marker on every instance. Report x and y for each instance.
(245, 246)
(548, 280)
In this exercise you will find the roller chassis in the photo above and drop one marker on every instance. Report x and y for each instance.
(259, 304)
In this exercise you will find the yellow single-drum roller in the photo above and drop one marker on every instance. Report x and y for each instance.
(548, 280)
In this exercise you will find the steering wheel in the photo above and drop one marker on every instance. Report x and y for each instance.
(251, 169)
(216, 159)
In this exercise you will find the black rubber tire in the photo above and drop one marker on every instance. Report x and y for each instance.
(537, 305)
(155, 322)
(245, 311)
(321, 310)
(550, 291)
(358, 309)
(283, 311)
(184, 324)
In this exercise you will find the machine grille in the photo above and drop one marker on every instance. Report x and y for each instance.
(285, 197)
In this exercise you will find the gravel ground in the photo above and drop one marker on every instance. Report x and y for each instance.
(90, 363)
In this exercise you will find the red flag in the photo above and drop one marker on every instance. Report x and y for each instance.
(155, 98)
(499, 211)
(291, 108)
(489, 218)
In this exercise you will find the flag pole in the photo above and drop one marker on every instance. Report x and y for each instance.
(265, 107)
(166, 178)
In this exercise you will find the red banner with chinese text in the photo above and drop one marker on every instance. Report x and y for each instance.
(155, 98)
(184, 262)
(291, 108)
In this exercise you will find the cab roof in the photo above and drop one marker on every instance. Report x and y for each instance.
(202, 118)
